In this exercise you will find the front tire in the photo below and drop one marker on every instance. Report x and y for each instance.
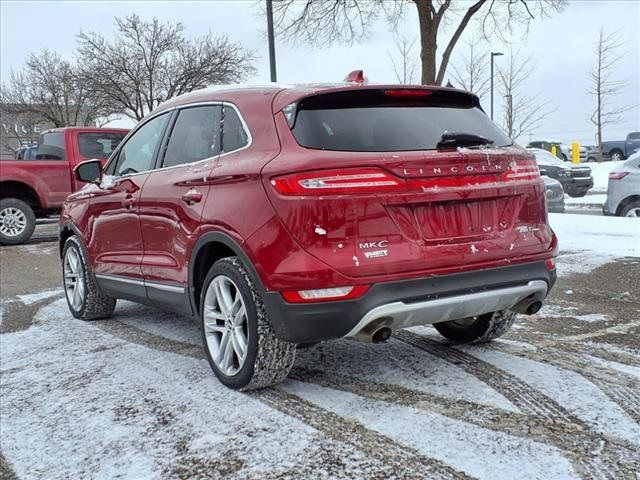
(479, 329)
(17, 221)
(84, 298)
(239, 341)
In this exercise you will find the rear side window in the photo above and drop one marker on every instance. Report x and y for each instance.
(375, 121)
(51, 146)
(98, 145)
(195, 136)
(234, 135)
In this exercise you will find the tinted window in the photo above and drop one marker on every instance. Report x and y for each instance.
(195, 136)
(634, 136)
(51, 146)
(234, 136)
(98, 145)
(138, 154)
(371, 120)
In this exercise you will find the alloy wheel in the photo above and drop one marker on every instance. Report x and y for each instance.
(13, 221)
(226, 325)
(634, 212)
(73, 278)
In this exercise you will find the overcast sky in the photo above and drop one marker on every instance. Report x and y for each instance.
(563, 49)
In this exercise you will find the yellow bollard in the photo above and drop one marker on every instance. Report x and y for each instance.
(553, 150)
(575, 152)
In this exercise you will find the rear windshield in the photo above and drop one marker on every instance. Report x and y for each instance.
(98, 144)
(51, 146)
(375, 121)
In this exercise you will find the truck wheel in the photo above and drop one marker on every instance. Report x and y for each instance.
(478, 329)
(631, 209)
(85, 299)
(239, 341)
(17, 221)
(616, 155)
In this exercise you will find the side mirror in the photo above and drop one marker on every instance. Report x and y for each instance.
(543, 171)
(89, 171)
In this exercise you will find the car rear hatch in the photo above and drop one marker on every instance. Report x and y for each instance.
(384, 181)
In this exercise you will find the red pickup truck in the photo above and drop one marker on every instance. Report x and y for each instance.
(36, 188)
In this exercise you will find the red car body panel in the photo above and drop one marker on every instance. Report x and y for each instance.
(51, 180)
(460, 210)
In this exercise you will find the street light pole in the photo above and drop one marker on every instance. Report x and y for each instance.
(272, 45)
(493, 54)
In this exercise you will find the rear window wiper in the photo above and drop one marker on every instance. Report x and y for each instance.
(453, 140)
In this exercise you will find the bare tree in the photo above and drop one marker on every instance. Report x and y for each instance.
(471, 71)
(147, 63)
(603, 87)
(323, 22)
(403, 60)
(522, 113)
(48, 88)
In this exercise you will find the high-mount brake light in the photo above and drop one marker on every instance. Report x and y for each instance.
(617, 175)
(325, 294)
(408, 92)
(339, 182)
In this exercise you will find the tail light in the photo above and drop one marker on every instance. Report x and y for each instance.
(341, 181)
(617, 175)
(522, 171)
(550, 263)
(325, 294)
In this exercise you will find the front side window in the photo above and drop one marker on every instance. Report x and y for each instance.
(98, 145)
(234, 135)
(138, 154)
(195, 136)
(51, 146)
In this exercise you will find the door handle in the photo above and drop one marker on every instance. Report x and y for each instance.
(191, 197)
(128, 202)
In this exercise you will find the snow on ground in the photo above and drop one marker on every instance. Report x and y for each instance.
(586, 241)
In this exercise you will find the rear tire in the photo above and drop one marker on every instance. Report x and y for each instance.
(17, 221)
(239, 341)
(478, 329)
(632, 209)
(578, 194)
(84, 298)
(616, 155)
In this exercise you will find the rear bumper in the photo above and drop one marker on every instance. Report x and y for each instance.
(417, 301)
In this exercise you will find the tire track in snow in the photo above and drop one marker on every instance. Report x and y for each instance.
(620, 387)
(579, 445)
(529, 400)
(402, 459)
(406, 461)
(576, 443)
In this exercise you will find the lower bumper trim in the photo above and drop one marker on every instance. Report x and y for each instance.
(398, 315)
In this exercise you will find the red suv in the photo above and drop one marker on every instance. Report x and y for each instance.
(284, 216)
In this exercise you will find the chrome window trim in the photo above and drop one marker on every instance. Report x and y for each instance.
(182, 107)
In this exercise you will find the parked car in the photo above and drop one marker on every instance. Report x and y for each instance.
(37, 188)
(26, 153)
(621, 149)
(592, 153)
(623, 194)
(576, 180)
(555, 195)
(563, 150)
(283, 216)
